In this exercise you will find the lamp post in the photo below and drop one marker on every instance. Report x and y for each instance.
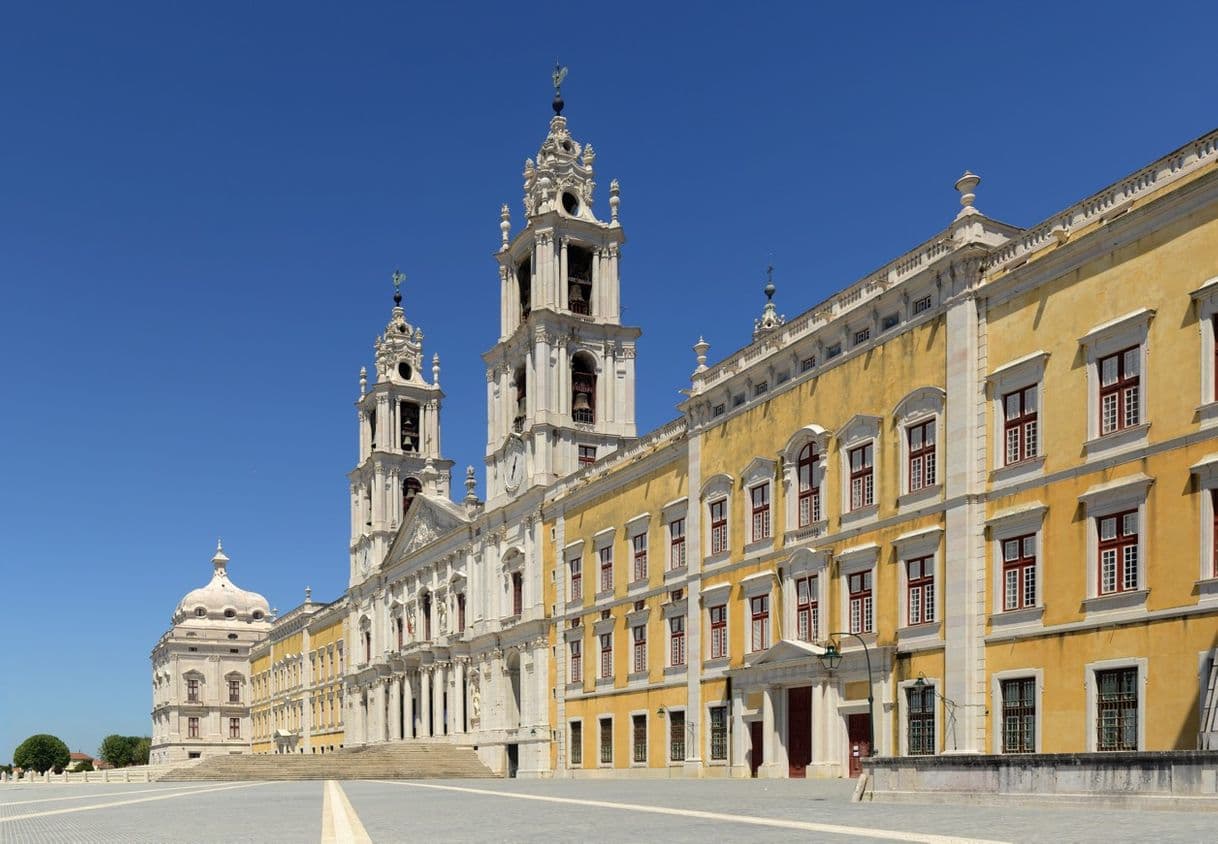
(831, 658)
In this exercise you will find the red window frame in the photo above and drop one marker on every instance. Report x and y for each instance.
(1019, 572)
(587, 455)
(760, 497)
(676, 544)
(676, 736)
(759, 608)
(606, 741)
(807, 608)
(1119, 405)
(718, 526)
(517, 593)
(639, 637)
(1118, 552)
(920, 590)
(638, 738)
(920, 438)
(676, 640)
(234, 691)
(1020, 410)
(639, 545)
(718, 631)
(809, 492)
(234, 728)
(862, 617)
(192, 690)
(718, 732)
(576, 567)
(862, 477)
(606, 557)
(577, 660)
(1019, 715)
(192, 727)
(606, 655)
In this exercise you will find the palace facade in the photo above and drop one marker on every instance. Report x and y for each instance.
(967, 504)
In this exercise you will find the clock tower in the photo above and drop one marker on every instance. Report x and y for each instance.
(399, 440)
(560, 380)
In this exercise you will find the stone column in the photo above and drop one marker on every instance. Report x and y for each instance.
(407, 706)
(440, 682)
(425, 702)
(395, 709)
(459, 698)
(739, 737)
(767, 730)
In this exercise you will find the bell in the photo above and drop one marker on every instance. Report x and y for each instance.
(577, 293)
(581, 402)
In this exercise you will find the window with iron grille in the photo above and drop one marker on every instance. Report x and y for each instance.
(761, 511)
(860, 602)
(862, 480)
(921, 455)
(760, 607)
(718, 631)
(807, 364)
(807, 609)
(676, 544)
(862, 336)
(1119, 398)
(639, 735)
(606, 656)
(760, 388)
(676, 736)
(192, 727)
(1019, 426)
(718, 526)
(718, 732)
(640, 648)
(1019, 572)
(576, 567)
(587, 455)
(639, 542)
(921, 735)
(1117, 709)
(920, 590)
(577, 660)
(922, 304)
(234, 728)
(676, 640)
(809, 492)
(234, 691)
(606, 555)
(192, 690)
(1118, 550)
(606, 741)
(1019, 715)
(577, 743)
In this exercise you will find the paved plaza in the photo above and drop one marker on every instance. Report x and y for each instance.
(515, 810)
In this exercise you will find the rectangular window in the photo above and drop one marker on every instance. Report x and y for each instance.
(587, 455)
(398, 626)
(862, 481)
(761, 512)
(460, 612)
(718, 631)
(719, 410)
(1019, 572)
(676, 544)
(192, 690)
(760, 607)
(807, 364)
(640, 648)
(718, 733)
(606, 741)
(860, 602)
(639, 541)
(1116, 718)
(921, 720)
(1019, 410)
(234, 728)
(577, 660)
(192, 727)
(833, 351)
(1019, 715)
(760, 388)
(920, 305)
(676, 736)
(921, 455)
(606, 555)
(920, 587)
(889, 321)
(807, 610)
(577, 743)
(234, 691)
(639, 735)
(809, 492)
(1118, 549)
(606, 656)
(718, 526)
(862, 336)
(1119, 406)
(576, 567)
(676, 640)
(517, 593)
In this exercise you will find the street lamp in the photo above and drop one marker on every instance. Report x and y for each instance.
(832, 658)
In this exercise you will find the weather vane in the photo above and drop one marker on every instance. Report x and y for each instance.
(560, 73)
(398, 278)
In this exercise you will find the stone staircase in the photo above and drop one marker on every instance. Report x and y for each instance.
(394, 761)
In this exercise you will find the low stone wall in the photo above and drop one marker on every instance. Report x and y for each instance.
(134, 773)
(1183, 779)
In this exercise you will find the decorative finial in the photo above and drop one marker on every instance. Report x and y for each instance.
(615, 200)
(966, 185)
(363, 381)
(398, 278)
(560, 73)
(435, 369)
(471, 485)
(308, 595)
(219, 559)
(769, 283)
(700, 349)
(770, 318)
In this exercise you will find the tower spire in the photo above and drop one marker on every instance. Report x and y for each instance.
(560, 73)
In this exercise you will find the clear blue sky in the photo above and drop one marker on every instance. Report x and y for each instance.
(200, 207)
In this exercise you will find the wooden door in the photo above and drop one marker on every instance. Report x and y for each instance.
(799, 731)
(755, 746)
(860, 744)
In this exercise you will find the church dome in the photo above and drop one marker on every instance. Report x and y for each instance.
(221, 599)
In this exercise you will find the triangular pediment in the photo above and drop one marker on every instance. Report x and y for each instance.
(428, 520)
(785, 650)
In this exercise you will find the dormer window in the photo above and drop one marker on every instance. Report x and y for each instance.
(230, 613)
(408, 413)
(257, 615)
(579, 280)
(583, 388)
(200, 612)
(524, 281)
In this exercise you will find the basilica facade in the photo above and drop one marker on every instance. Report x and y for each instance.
(967, 504)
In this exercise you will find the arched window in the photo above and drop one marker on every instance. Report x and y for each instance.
(579, 280)
(410, 488)
(520, 381)
(408, 412)
(583, 388)
(524, 281)
(809, 492)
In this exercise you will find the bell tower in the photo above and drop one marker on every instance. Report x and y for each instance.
(399, 440)
(560, 381)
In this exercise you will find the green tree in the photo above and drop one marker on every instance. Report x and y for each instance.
(143, 749)
(117, 750)
(82, 765)
(42, 753)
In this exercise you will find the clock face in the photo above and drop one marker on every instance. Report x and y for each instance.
(513, 465)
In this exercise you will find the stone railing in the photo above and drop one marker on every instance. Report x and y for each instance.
(133, 773)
